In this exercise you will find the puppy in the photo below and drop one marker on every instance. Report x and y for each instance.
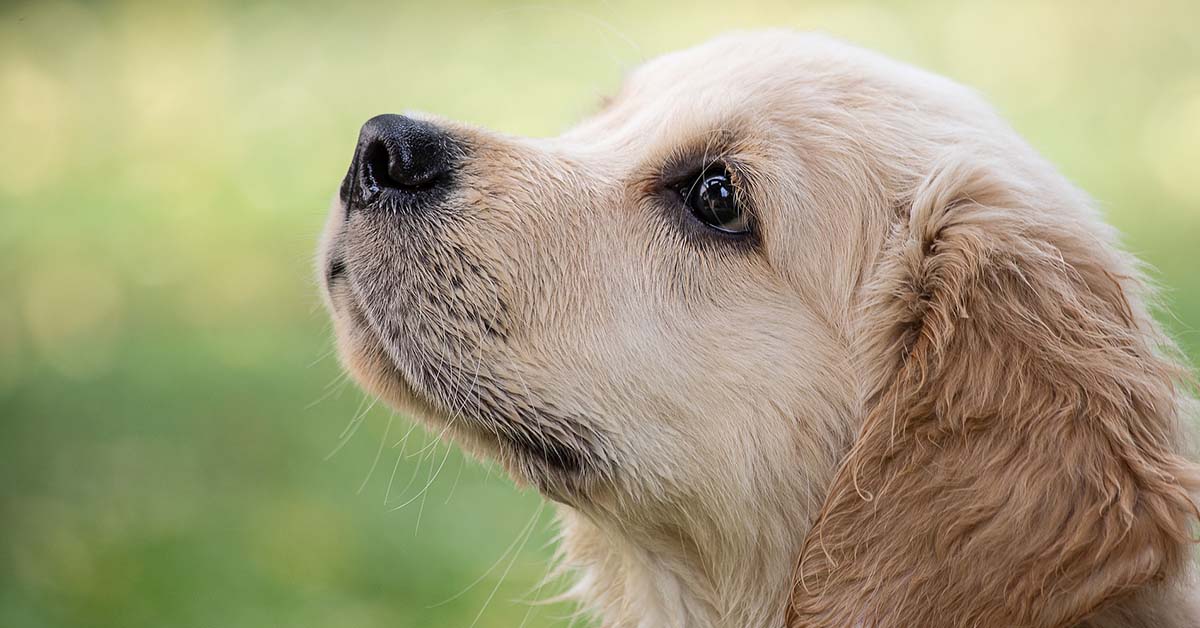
(795, 335)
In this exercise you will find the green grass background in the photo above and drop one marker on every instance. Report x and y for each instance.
(167, 397)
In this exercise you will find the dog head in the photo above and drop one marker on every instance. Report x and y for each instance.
(778, 283)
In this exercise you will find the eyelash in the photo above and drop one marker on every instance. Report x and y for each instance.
(677, 176)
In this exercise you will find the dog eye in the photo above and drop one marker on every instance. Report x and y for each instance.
(712, 200)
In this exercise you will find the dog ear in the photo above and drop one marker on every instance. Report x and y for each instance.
(1018, 463)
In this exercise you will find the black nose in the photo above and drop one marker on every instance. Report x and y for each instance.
(398, 158)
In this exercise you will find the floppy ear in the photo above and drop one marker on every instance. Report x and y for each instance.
(1019, 463)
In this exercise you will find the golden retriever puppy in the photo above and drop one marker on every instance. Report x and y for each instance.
(795, 335)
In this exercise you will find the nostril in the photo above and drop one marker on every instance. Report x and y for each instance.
(397, 153)
(375, 168)
(392, 164)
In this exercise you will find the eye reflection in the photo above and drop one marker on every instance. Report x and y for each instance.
(712, 199)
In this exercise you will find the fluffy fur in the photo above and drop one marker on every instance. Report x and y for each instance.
(925, 392)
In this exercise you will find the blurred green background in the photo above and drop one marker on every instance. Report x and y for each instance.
(168, 401)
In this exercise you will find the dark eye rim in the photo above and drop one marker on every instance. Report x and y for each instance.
(688, 189)
(680, 185)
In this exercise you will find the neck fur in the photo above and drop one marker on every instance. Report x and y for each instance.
(642, 577)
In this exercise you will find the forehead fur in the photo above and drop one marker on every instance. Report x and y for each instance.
(767, 78)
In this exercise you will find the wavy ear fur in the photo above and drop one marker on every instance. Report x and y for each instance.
(1020, 458)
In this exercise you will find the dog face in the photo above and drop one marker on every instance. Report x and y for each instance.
(780, 300)
(656, 298)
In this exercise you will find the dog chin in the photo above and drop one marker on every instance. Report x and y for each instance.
(371, 366)
(376, 372)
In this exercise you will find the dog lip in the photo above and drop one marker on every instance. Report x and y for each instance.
(556, 456)
(414, 389)
(335, 269)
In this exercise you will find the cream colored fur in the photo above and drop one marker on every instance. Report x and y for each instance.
(931, 350)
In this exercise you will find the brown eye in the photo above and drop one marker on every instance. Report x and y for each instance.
(710, 197)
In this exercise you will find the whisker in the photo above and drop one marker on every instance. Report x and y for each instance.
(378, 454)
(432, 479)
(336, 385)
(413, 478)
(528, 533)
(462, 463)
(352, 428)
(537, 512)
